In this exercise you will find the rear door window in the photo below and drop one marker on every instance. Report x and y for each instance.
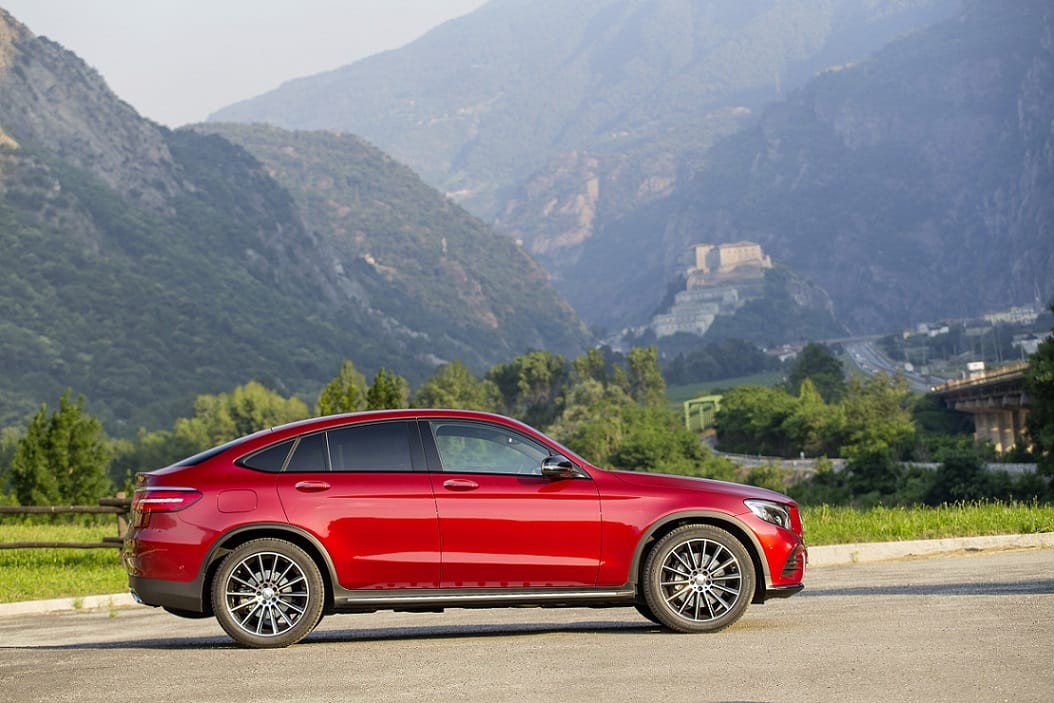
(271, 459)
(309, 454)
(383, 446)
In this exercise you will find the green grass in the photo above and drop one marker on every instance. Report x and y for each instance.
(36, 574)
(843, 525)
(675, 395)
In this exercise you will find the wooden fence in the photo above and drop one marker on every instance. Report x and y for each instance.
(118, 506)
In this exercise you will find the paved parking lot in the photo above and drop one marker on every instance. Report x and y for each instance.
(962, 628)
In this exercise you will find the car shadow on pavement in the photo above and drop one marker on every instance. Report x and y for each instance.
(480, 630)
(381, 634)
(983, 588)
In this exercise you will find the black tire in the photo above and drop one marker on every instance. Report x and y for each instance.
(268, 593)
(644, 610)
(698, 578)
(189, 614)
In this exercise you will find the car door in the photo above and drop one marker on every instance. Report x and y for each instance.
(356, 489)
(503, 524)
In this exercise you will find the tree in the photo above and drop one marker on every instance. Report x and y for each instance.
(590, 422)
(961, 477)
(771, 476)
(9, 437)
(387, 391)
(655, 439)
(814, 426)
(646, 384)
(529, 385)
(62, 458)
(344, 394)
(817, 363)
(751, 420)
(877, 417)
(1039, 385)
(608, 428)
(727, 358)
(877, 420)
(591, 365)
(875, 473)
(152, 450)
(455, 386)
(246, 409)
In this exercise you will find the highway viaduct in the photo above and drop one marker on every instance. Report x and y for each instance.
(997, 401)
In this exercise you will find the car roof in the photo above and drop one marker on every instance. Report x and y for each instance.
(252, 442)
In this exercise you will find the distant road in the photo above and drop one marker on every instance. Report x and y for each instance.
(969, 628)
(871, 361)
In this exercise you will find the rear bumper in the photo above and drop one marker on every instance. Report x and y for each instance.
(178, 595)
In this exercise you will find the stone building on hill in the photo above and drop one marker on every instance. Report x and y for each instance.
(719, 279)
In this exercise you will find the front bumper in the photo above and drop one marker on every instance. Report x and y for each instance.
(783, 591)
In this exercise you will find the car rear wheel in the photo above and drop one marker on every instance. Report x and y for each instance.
(189, 614)
(698, 578)
(644, 610)
(268, 593)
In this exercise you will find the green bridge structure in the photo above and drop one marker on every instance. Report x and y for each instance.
(700, 413)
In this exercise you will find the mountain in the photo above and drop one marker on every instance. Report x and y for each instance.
(518, 87)
(563, 121)
(407, 254)
(917, 185)
(143, 266)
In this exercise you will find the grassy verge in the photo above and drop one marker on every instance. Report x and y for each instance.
(842, 525)
(35, 574)
(676, 395)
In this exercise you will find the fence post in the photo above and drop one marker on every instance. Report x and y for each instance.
(122, 518)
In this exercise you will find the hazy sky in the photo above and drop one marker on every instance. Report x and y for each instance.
(176, 61)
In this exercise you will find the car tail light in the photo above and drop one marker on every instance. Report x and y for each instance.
(164, 500)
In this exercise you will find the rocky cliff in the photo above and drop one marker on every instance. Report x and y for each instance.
(913, 186)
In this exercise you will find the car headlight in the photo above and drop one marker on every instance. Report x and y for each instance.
(769, 511)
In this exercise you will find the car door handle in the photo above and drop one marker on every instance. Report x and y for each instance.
(460, 484)
(311, 486)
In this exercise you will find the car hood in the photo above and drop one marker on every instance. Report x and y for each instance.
(690, 483)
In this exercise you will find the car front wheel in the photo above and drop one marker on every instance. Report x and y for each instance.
(698, 578)
(268, 593)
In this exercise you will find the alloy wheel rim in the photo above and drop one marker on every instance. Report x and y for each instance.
(266, 594)
(700, 580)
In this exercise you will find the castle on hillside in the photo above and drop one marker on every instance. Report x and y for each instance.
(719, 279)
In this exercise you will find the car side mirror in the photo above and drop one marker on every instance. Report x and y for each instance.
(557, 466)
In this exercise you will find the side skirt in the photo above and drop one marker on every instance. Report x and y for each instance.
(438, 599)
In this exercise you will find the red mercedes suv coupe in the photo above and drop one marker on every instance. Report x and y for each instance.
(420, 510)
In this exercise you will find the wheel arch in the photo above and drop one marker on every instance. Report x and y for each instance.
(240, 535)
(703, 517)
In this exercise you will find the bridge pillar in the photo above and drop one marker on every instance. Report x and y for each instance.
(986, 427)
(1020, 417)
(1007, 438)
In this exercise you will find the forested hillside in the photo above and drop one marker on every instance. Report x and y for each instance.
(409, 255)
(142, 267)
